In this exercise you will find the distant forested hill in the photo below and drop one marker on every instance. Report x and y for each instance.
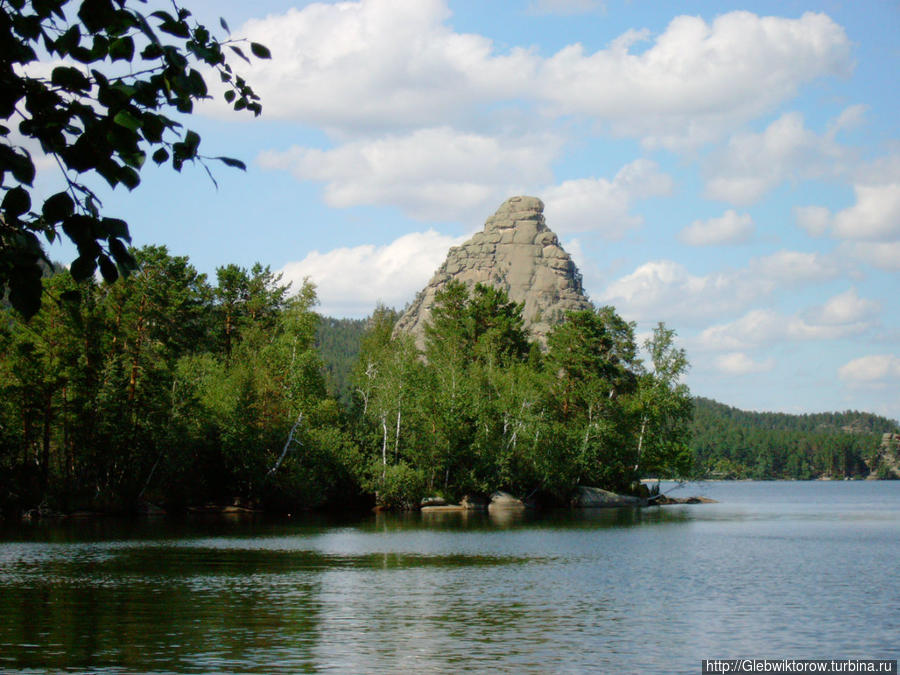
(338, 343)
(732, 443)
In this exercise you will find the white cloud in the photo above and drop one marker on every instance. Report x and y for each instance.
(738, 363)
(729, 228)
(793, 268)
(359, 67)
(814, 219)
(566, 6)
(841, 316)
(845, 308)
(602, 206)
(350, 281)
(432, 174)
(664, 289)
(751, 165)
(871, 369)
(850, 118)
(698, 80)
(377, 64)
(755, 328)
(883, 256)
(874, 217)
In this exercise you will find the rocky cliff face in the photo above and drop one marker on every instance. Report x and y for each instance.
(886, 461)
(517, 252)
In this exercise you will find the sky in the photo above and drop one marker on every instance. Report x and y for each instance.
(730, 169)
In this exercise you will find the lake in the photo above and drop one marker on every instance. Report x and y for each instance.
(774, 570)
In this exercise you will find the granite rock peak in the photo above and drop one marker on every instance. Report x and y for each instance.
(517, 252)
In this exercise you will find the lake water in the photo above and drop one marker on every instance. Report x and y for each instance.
(775, 570)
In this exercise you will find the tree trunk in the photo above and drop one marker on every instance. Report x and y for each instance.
(384, 449)
(397, 436)
(637, 460)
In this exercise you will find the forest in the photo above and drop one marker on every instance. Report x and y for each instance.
(171, 389)
(732, 443)
(725, 442)
(168, 388)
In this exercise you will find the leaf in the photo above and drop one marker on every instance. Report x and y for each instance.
(160, 155)
(176, 28)
(125, 260)
(69, 78)
(129, 177)
(125, 119)
(57, 207)
(25, 290)
(163, 16)
(135, 159)
(229, 95)
(65, 42)
(191, 142)
(122, 49)
(95, 14)
(201, 35)
(28, 27)
(224, 25)
(82, 268)
(22, 168)
(260, 51)
(108, 269)
(230, 161)
(15, 203)
(151, 51)
(116, 227)
(237, 50)
(78, 227)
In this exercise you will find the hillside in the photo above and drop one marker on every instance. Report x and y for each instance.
(732, 443)
(338, 343)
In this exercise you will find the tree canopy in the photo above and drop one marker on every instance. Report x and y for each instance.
(94, 86)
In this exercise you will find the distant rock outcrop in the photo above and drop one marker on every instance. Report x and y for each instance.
(517, 252)
(886, 461)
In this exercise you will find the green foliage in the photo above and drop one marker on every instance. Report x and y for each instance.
(732, 443)
(338, 342)
(486, 410)
(113, 394)
(665, 407)
(95, 118)
(397, 486)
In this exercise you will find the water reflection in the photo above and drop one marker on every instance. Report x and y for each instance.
(614, 590)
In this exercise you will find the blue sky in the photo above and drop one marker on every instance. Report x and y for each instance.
(730, 169)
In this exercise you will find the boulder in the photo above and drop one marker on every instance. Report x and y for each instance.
(433, 501)
(503, 501)
(592, 497)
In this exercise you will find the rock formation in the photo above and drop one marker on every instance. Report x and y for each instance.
(886, 461)
(517, 252)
